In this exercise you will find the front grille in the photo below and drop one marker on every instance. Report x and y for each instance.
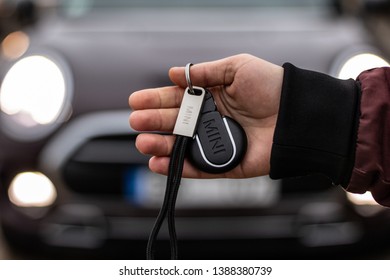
(99, 166)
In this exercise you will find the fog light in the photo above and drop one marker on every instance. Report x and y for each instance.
(361, 199)
(32, 189)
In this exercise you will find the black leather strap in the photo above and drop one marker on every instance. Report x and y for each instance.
(168, 207)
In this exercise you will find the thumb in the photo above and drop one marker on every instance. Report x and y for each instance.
(206, 74)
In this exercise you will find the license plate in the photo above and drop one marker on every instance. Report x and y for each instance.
(146, 189)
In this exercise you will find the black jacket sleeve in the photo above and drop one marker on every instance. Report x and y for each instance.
(316, 127)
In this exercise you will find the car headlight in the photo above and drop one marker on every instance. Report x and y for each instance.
(33, 95)
(360, 62)
(354, 61)
(32, 189)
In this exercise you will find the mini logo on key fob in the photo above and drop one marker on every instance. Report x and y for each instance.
(190, 108)
(220, 142)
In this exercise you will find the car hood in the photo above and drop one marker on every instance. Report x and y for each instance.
(114, 52)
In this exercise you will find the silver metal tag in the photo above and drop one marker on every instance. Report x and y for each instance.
(189, 112)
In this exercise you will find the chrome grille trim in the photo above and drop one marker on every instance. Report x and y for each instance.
(76, 133)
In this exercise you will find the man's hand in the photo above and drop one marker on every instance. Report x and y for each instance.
(244, 87)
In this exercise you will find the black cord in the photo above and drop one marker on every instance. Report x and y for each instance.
(168, 207)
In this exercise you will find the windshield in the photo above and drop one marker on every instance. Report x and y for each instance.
(189, 3)
(79, 8)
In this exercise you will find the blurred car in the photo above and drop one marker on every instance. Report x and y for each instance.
(72, 182)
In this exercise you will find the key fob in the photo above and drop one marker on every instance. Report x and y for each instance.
(219, 143)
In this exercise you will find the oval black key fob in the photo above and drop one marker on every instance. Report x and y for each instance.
(219, 143)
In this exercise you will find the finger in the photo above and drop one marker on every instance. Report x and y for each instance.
(206, 74)
(153, 119)
(160, 165)
(165, 97)
(155, 144)
(210, 74)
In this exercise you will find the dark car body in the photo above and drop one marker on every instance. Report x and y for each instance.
(107, 200)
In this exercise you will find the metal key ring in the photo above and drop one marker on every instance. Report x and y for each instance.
(188, 78)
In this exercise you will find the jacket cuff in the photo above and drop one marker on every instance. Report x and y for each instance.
(316, 127)
(372, 164)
